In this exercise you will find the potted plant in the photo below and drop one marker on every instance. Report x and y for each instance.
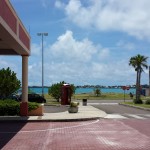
(73, 107)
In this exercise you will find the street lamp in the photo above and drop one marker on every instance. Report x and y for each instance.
(42, 34)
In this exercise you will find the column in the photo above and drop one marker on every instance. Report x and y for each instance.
(24, 101)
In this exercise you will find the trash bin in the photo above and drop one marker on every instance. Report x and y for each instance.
(84, 102)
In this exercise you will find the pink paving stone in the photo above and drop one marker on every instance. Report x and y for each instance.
(104, 134)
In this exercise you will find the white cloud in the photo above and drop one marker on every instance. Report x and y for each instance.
(75, 61)
(35, 49)
(68, 48)
(104, 53)
(81, 62)
(114, 72)
(115, 15)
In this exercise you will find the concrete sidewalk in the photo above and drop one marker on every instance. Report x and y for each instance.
(84, 113)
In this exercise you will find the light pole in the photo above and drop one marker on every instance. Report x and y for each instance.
(42, 34)
(149, 80)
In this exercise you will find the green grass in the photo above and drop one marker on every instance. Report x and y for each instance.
(91, 96)
(50, 100)
(139, 105)
(105, 96)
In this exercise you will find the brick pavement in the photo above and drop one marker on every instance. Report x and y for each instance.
(103, 134)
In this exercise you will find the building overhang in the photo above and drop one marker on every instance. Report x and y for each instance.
(14, 39)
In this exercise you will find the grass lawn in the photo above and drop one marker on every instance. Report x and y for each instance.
(91, 96)
(50, 100)
(104, 96)
(139, 105)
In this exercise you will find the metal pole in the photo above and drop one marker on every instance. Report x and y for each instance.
(124, 95)
(42, 34)
(42, 69)
(149, 80)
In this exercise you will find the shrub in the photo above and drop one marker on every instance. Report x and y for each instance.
(32, 106)
(147, 102)
(9, 108)
(9, 82)
(139, 101)
(74, 104)
(12, 108)
(97, 92)
(55, 90)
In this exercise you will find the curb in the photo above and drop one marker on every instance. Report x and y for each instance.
(47, 120)
(147, 109)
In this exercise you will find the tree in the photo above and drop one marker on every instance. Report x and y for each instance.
(8, 82)
(139, 62)
(97, 92)
(55, 90)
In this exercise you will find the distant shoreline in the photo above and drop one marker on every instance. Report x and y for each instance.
(38, 89)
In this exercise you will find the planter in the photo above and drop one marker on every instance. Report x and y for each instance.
(73, 109)
(37, 112)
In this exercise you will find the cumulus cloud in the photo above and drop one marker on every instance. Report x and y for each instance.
(68, 59)
(114, 72)
(74, 61)
(35, 49)
(105, 15)
(69, 48)
(104, 53)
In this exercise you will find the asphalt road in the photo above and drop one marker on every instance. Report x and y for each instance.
(119, 109)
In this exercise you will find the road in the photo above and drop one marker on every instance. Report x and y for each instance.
(114, 110)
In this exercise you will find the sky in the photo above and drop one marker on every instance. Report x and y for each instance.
(89, 41)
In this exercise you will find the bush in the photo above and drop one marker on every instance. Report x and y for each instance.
(55, 90)
(9, 83)
(74, 104)
(32, 106)
(97, 92)
(9, 108)
(139, 101)
(12, 108)
(147, 102)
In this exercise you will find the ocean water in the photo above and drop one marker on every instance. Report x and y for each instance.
(87, 90)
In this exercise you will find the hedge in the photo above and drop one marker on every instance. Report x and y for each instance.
(12, 108)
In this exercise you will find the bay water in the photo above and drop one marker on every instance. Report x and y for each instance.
(38, 90)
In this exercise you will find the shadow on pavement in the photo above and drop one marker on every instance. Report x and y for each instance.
(8, 130)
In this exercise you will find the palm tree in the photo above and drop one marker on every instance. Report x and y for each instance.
(139, 62)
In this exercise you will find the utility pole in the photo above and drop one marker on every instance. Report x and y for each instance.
(42, 34)
(149, 80)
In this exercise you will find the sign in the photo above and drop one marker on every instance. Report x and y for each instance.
(125, 87)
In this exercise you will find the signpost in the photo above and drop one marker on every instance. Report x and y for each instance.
(125, 88)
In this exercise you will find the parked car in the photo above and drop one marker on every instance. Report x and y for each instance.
(35, 98)
(12, 96)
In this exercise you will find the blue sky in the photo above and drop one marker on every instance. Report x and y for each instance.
(89, 41)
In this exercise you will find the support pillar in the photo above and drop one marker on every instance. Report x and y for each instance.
(24, 100)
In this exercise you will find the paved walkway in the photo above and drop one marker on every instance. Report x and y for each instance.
(100, 134)
(84, 113)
